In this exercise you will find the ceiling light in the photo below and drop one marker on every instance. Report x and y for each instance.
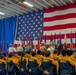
(1, 13)
(28, 4)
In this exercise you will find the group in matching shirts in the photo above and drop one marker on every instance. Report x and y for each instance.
(40, 63)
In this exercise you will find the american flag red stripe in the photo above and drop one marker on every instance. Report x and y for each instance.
(58, 20)
(60, 8)
(68, 45)
(57, 27)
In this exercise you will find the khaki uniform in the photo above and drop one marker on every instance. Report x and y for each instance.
(19, 49)
(42, 48)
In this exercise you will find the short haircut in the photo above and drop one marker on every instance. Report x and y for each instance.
(69, 52)
(2, 56)
(63, 52)
(42, 53)
(47, 54)
(33, 53)
(10, 54)
(28, 52)
(23, 53)
(38, 52)
(55, 51)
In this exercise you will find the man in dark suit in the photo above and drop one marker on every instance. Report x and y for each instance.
(59, 46)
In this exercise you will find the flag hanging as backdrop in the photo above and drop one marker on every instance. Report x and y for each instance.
(49, 21)
(59, 19)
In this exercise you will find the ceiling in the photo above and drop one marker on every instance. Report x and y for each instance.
(16, 7)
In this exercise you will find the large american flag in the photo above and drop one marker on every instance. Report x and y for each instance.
(49, 21)
(61, 20)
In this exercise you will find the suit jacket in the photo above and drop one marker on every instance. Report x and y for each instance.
(59, 48)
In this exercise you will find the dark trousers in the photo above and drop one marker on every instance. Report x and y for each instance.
(67, 74)
(11, 73)
(33, 73)
(4, 73)
(17, 71)
(22, 73)
(40, 72)
(46, 74)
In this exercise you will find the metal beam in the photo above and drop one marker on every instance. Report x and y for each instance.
(9, 9)
(18, 6)
(36, 5)
(72, 1)
(7, 12)
(28, 6)
(63, 2)
(13, 7)
(55, 3)
(41, 4)
(39, 7)
(34, 8)
(48, 3)
(59, 2)
(3, 7)
(4, 16)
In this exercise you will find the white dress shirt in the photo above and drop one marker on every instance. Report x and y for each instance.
(51, 49)
(12, 49)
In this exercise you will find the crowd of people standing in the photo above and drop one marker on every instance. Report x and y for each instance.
(45, 61)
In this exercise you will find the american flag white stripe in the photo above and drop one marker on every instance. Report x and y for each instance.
(60, 17)
(61, 12)
(60, 22)
(61, 30)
